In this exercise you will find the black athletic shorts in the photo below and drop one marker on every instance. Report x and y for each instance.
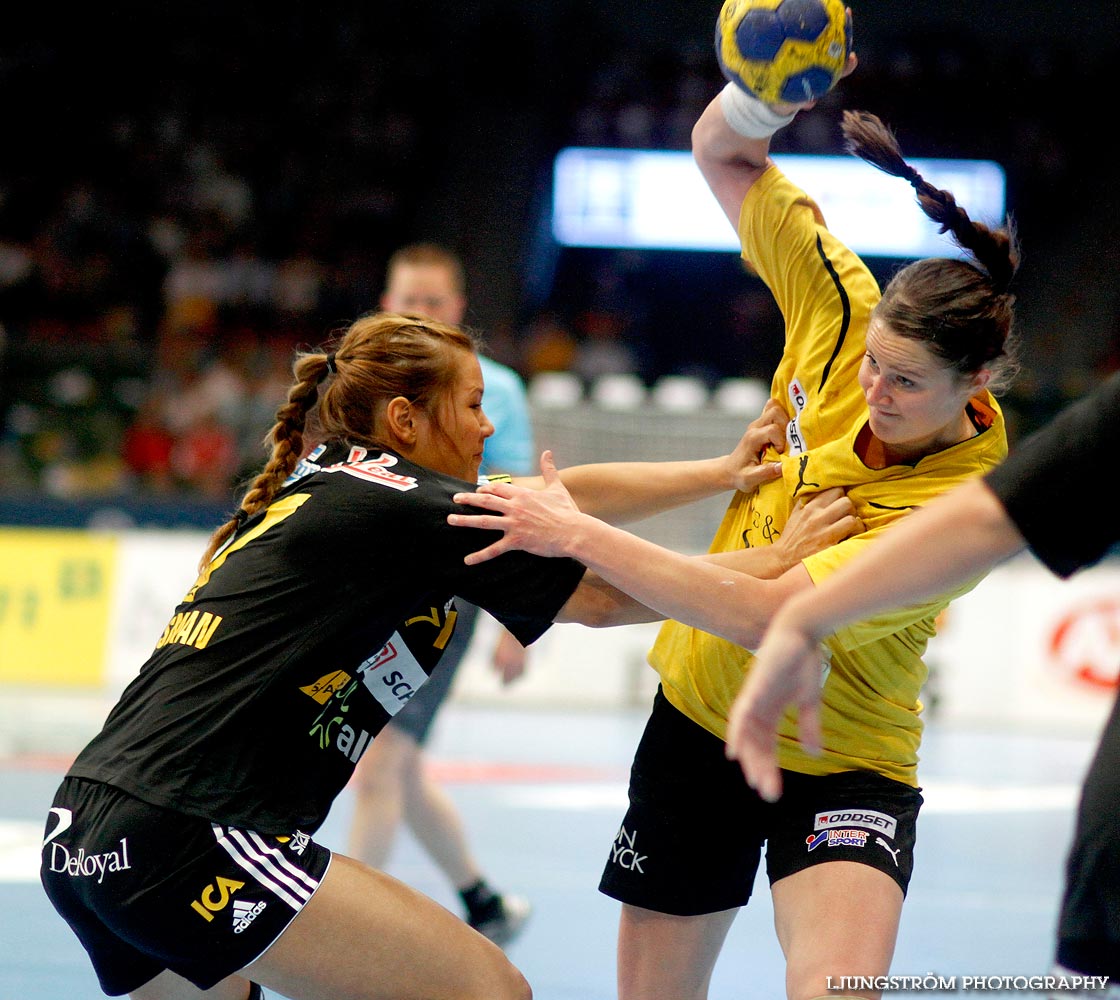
(419, 713)
(147, 889)
(692, 838)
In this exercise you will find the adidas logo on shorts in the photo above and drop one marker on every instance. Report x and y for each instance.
(244, 913)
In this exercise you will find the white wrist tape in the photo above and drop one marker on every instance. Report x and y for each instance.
(749, 116)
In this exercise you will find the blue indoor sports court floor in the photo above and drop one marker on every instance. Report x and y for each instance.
(542, 793)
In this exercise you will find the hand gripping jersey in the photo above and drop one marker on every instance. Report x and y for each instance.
(870, 705)
(303, 636)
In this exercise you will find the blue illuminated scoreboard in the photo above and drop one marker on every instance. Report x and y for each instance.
(653, 199)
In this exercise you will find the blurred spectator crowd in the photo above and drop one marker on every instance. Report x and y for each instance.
(176, 218)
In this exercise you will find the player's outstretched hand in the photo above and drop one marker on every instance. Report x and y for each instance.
(537, 521)
(787, 671)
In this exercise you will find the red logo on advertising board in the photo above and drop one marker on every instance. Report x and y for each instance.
(1085, 644)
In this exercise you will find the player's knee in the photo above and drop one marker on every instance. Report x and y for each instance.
(368, 781)
(381, 769)
(511, 985)
(522, 989)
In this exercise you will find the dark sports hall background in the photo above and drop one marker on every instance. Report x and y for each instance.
(182, 184)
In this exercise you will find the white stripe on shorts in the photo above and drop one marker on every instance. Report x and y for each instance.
(267, 865)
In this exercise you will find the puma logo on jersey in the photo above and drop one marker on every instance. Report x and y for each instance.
(802, 464)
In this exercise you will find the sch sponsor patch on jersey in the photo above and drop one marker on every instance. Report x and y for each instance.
(392, 675)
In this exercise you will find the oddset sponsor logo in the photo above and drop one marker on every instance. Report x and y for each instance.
(871, 819)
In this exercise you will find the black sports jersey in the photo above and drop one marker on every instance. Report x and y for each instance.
(303, 636)
(1055, 467)
(1072, 457)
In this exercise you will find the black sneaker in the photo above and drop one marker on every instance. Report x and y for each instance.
(505, 922)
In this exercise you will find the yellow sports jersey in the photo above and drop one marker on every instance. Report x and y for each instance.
(870, 712)
(825, 293)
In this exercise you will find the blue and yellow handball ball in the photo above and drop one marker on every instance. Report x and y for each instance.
(784, 50)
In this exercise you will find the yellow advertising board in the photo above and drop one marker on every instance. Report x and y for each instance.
(56, 589)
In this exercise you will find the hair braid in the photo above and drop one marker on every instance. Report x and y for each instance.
(286, 438)
(962, 310)
(995, 250)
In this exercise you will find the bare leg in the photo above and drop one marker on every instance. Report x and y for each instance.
(836, 919)
(391, 782)
(661, 955)
(366, 936)
(434, 820)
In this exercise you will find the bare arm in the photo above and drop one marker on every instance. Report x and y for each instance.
(599, 604)
(953, 540)
(621, 492)
(729, 162)
(694, 591)
(824, 519)
(699, 592)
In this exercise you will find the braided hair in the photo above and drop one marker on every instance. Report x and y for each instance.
(961, 309)
(379, 357)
